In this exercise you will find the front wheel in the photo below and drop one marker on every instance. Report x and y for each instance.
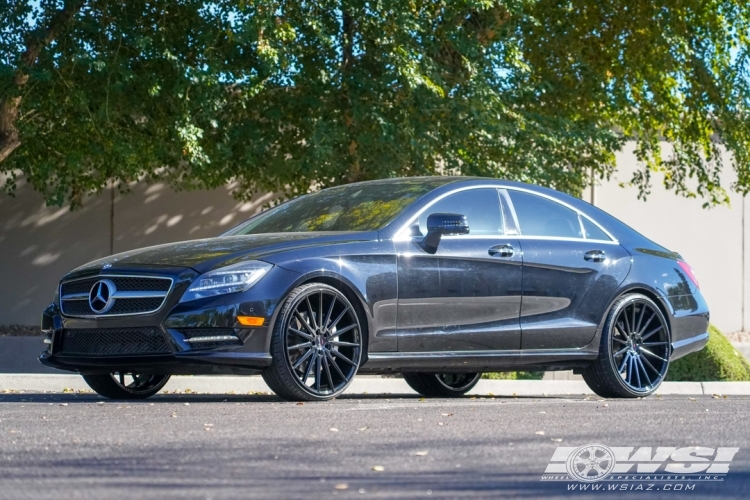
(126, 385)
(316, 345)
(442, 385)
(634, 351)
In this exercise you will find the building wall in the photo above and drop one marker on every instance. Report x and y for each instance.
(39, 244)
(712, 241)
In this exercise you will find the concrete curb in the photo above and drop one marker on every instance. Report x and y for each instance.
(39, 383)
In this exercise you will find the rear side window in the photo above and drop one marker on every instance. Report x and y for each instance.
(539, 216)
(592, 231)
(481, 207)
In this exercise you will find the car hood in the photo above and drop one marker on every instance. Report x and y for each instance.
(206, 254)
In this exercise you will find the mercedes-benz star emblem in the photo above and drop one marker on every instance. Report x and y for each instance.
(102, 296)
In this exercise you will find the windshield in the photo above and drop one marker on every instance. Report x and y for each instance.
(356, 207)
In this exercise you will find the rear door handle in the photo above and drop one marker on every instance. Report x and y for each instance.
(595, 256)
(505, 250)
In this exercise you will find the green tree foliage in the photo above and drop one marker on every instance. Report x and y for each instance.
(291, 95)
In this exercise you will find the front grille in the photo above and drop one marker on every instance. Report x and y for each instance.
(114, 341)
(133, 295)
(123, 283)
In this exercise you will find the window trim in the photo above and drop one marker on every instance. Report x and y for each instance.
(403, 234)
(580, 214)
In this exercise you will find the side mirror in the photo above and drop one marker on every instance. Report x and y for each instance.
(443, 224)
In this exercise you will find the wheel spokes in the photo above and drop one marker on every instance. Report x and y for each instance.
(330, 311)
(307, 370)
(302, 359)
(643, 368)
(317, 373)
(335, 366)
(624, 362)
(646, 351)
(328, 373)
(341, 356)
(342, 331)
(299, 346)
(644, 337)
(336, 321)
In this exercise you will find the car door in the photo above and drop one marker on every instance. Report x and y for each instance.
(571, 269)
(467, 295)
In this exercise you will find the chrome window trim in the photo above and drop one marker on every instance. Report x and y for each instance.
(505, 199)
(122, 295)
(403, 233)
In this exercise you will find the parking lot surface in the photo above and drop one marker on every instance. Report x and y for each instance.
(72, 446)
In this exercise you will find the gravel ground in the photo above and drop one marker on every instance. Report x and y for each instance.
(20, 331)
(78, 446)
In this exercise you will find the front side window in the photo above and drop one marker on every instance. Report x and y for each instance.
(481, 207)
(540, 216)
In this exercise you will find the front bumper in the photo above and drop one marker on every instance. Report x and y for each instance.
(112, 344)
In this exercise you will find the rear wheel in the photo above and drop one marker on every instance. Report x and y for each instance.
(442, 385)
(634, 350)
(126, 385)
(316, 345)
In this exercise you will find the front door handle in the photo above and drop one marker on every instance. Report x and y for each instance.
(505, 250)
(595, 256)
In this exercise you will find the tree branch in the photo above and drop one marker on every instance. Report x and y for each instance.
(10, 105)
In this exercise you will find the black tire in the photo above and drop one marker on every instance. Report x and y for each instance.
(442, 385)
(633, 358)
(113, 386)
(307, 334)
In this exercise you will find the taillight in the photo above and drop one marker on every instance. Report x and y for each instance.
(689, 271)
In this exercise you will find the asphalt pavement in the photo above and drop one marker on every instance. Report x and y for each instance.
(71, 446)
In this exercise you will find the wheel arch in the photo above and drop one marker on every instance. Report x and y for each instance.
(661, 302)
(341, 284)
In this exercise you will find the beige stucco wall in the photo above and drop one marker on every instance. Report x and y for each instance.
(39, 244)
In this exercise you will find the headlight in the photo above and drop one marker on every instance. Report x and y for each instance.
(229, 279)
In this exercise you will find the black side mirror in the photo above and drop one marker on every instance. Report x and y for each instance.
(443, 224)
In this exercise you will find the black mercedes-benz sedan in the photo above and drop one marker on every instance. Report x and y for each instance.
(437, 278)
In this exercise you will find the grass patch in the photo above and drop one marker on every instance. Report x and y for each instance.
(514, 376)
(718, 361)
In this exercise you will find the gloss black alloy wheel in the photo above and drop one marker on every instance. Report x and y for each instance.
(634, 351)
(126, 385)
(442, 385)
(316, 345)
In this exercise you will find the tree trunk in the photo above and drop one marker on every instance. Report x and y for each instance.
(10, 105)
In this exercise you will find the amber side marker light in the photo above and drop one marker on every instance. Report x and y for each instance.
(250, 321)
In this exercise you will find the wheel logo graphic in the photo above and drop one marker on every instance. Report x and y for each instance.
(593, 462)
